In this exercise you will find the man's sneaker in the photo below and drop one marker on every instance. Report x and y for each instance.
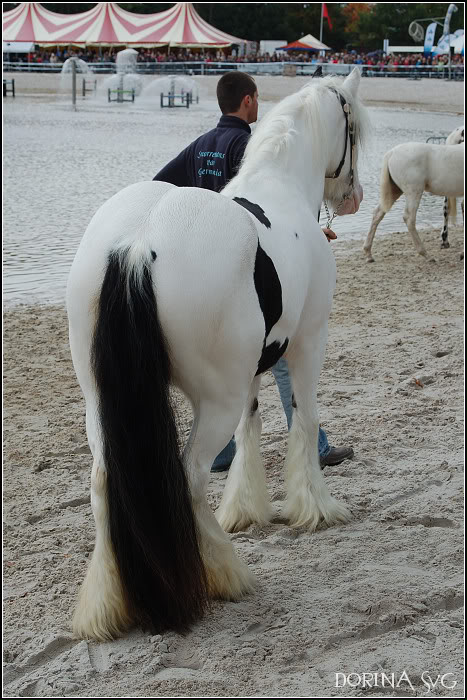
(336, 455)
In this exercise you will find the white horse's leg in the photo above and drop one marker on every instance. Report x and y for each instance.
(228, 577)
(378, 216)
(245, 499)
(412, 202)
(308, 499)
(101, 612)
(444, 233)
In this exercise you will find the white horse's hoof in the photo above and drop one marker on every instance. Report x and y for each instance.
(229, 580)
(337, 513)
(233, 519)
(100, 614)
(331, 514)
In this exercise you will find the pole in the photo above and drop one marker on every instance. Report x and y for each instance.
(449, 56)
(120, 89)
(321, 25)
(447, 30)
(73, 82)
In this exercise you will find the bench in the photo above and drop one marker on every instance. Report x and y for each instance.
(86, 88)
(121, 95)
(186, 98)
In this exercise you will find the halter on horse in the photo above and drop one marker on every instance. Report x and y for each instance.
(349, 136)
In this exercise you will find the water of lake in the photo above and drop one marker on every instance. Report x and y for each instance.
(60, 166)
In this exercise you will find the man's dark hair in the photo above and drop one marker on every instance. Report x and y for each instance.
(232, 88)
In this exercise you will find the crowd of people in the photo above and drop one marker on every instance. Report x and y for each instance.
(377, 60)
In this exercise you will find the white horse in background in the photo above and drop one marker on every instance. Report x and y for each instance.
(450, 203)
(206, 291)
(411, 169)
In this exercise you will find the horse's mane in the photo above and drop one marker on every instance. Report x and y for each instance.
(276, 131)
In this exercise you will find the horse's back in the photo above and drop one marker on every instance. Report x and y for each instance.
(202, 247)
(437, 169)
(184, 224)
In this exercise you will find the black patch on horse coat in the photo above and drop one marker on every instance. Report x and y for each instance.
(270, 355)
(254, 407)
(153, 255)
(294, 403)
(268, 289)
(254, 209)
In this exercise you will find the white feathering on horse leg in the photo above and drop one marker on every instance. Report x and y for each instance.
(308, 499)
(101, 612)
(228, 577)
(245, 499)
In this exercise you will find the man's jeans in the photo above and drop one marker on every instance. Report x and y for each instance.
(281, 375)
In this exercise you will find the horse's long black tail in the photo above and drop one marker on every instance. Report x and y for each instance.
(152, 524)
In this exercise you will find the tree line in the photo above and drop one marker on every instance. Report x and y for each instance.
(359, 26)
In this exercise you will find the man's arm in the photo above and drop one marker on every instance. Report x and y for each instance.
(177, 172)
(236, 153)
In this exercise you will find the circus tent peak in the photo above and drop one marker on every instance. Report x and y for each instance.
(307, 43)
(107, 24)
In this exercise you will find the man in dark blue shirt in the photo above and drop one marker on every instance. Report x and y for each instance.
(214, 158)
(210, 162)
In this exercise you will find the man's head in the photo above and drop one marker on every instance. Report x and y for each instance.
(237, 96)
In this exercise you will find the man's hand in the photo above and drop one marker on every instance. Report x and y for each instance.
(329, 233)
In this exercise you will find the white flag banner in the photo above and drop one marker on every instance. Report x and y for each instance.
(429, 37)
(447, 20)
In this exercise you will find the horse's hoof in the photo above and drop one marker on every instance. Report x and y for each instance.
(445, 244)
(370, 259)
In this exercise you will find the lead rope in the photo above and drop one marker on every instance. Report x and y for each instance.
(335, 212)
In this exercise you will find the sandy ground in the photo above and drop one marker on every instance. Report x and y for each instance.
(380, 594)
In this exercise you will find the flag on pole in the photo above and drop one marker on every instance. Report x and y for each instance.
(326, 14)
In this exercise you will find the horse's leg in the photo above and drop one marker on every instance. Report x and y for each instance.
(213, 426)
(378, 216)
(412, 202)
(101, 612)
(444, 233)
(308, 500)
(245, 499)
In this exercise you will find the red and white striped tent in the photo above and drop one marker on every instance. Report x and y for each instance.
(108, 25)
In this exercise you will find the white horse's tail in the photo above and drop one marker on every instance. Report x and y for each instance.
(152, 525)
(389, 191)
(452, 209)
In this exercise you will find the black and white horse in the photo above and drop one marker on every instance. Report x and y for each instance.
(205, 291)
